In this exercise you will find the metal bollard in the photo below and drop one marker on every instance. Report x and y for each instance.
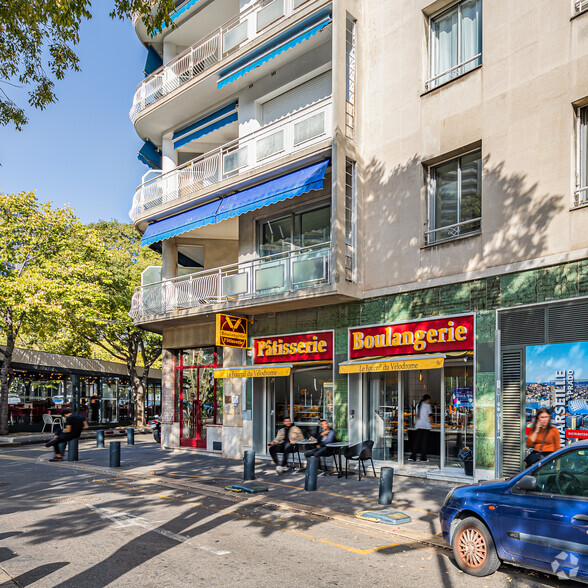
(386, 481)
(249, 465)
(115, 454)
(72, 450)
(312, 464)
(130, 436)
(99, 438)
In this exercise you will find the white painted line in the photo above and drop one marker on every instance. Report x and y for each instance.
(124, 519)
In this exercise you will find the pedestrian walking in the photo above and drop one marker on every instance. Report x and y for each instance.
(543, 439)
(74, 425)
(284, 443)
(326, 435)
(423, 426)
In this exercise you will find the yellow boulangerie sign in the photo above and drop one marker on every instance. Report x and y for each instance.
(231, 331)
(248, 371)
(392, 365)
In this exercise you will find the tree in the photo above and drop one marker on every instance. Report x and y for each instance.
(36, 45)
(108, 324)
(50, 269)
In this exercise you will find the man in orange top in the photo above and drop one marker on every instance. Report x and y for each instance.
(544, 437)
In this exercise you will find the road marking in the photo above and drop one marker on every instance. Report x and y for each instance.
(125, 519)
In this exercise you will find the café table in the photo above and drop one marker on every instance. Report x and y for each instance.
(341, 445)
(304, 443)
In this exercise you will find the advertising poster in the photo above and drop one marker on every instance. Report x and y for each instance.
(557, 378)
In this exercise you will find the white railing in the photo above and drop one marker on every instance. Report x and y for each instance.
(283, 137)
(581, 196)
(234, 34)
(581, 5)
(452, 231)
(452, 72)
(275, 274)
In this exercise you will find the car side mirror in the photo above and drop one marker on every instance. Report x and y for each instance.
(526, 483)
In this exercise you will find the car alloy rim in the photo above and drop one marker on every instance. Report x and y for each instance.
(471, 546)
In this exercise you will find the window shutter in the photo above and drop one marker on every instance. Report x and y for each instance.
(513, 412)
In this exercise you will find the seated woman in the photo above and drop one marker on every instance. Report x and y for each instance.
(326, 435)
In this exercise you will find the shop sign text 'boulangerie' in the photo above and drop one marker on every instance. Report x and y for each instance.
(430, 336)
(288, 348)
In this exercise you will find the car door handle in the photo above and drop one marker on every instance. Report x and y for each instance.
(580, 519)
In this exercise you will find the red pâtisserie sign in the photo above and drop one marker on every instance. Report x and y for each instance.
(291, 348)
(430, 336)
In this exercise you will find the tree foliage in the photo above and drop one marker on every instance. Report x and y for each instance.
(37, 40)
(50, 269)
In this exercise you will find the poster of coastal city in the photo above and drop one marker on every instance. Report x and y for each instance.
(557, 378)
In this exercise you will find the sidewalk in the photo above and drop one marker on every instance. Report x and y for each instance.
(16, 439)
(334, 498)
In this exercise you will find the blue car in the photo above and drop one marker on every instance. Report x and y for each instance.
(537, 520)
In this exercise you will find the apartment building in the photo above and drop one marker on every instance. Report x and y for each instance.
(393, 196)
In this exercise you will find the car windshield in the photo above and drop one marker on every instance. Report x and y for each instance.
(566, 474)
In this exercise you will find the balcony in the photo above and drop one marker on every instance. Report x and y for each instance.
(290, 134)
(235, 34)
(280, 274)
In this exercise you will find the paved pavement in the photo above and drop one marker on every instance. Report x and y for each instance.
(165, 518)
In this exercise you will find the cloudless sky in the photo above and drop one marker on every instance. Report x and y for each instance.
(544, 360)
(82, 150)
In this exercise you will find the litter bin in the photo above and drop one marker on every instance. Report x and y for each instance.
(467, 457)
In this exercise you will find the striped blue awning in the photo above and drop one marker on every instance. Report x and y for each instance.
(288, 39)
(208, 124)
(287, 186)
(149, 155)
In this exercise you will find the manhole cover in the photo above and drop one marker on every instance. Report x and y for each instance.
(74, 499)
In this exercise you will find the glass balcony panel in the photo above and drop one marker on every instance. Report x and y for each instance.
(270, 145)
(308, 270)
(235, 284)
(234, 37)
(270, 277)
(269, 14)
(309, 128)
(234, 160)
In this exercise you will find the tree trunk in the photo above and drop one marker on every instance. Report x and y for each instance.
(5, 372)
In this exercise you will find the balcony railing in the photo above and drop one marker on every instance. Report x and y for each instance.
(288, 135)
(282, 273)
(234, 34)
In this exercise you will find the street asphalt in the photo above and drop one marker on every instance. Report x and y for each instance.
(164, 518)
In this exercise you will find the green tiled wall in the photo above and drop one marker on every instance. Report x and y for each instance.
(482, 297)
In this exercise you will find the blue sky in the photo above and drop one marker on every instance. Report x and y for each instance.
(82, 150)
(544, 360)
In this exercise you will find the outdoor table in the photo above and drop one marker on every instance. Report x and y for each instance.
(305, 443)
(340, 445)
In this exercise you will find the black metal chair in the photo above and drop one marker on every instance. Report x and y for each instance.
(360, 453)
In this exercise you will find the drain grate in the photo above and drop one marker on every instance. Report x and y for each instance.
(74, 499)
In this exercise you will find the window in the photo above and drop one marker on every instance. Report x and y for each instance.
(580, 5)
(295, 231)
(581, 192)
(350, 69)
(455, 198)
(455, 42)
(350, 200)
(565, 475)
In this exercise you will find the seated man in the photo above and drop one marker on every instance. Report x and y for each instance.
(74, 425)
(285, 442)
(327, 435)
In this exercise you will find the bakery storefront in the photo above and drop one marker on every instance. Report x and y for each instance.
(392, 366)
(290, 376)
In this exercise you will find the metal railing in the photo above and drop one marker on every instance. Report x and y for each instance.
(283, 137)
(234, 34)
(581, 196)
(281, 273)
(581, 5)
(452, 72)
(452, 231)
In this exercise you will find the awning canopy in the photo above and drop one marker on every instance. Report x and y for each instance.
(288, 39)
(152, 62)
(287, 186)
(400, 364)
(206, 125)
(149, 155)
(253, 371)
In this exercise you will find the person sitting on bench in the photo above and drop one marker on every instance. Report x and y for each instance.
(285, 442)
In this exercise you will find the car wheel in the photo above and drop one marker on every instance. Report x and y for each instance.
(474, 548)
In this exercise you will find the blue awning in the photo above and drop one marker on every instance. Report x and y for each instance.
(149, 155)
(268, 51)
(153, 61)
(287, 186)
(208, 124)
